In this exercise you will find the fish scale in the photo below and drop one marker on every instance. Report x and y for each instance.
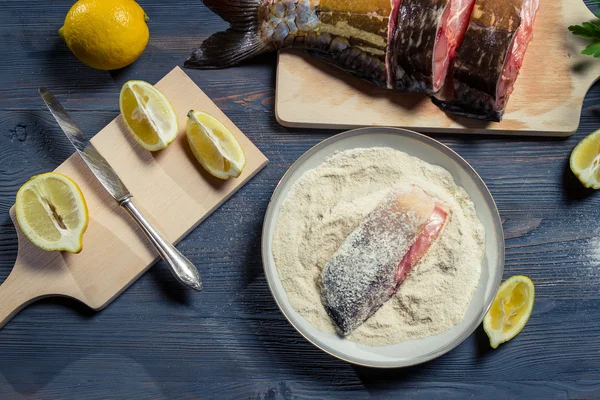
(316, 27)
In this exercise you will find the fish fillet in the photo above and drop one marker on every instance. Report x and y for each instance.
(371, 264)
(489, 59)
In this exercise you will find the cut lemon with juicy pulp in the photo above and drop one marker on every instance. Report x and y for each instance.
(214, 146)
(148, 115)
(52, 213)
(585, 161)
(510, 310)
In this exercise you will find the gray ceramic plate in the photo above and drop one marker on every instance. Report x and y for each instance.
(427, 149)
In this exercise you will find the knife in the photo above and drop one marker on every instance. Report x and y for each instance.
(183, 270)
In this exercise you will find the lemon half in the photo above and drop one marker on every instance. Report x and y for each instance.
(52, 213)
(510, 310)
(585, 161)
(215, 147)
(148, 115)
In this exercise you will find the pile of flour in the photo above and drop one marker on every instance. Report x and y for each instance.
(327, 203)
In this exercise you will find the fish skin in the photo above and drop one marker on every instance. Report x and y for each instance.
(414, 45)
(477, 71)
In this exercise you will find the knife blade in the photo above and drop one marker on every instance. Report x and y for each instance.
(183, 270)
(97, 163)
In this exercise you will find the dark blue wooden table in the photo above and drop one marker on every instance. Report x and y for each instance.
(231, 341)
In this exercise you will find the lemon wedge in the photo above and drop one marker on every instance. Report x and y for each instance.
(214, 146)
(585, 161)
(148, 115)
(52, 212)
(510, 310)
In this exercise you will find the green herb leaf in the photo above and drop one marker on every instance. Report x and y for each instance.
(587, 30)
(592, 50)
(590, 31)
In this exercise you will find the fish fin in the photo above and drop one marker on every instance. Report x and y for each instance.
(244, 12)
(226, 49)
(240, 42)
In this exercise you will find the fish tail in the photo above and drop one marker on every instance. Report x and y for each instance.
(244, 12)
(240, 42)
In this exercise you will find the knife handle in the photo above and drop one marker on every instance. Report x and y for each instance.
(182, 268)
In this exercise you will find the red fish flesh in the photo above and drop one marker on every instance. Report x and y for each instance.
(375, 259)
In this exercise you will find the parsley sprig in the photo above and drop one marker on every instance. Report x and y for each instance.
(591, 31)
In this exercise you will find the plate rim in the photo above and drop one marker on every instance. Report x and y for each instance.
(437, 146)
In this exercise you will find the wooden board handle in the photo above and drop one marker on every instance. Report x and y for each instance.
(14, 297)
(37, 274)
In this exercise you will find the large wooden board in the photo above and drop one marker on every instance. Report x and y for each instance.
(170, 187)
(547, 99)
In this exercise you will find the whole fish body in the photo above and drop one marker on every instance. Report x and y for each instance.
(404, 45)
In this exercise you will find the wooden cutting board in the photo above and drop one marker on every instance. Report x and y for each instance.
(547, 99)
(170, 187)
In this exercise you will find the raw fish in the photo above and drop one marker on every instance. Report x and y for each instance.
(404, 45)
(375, 259)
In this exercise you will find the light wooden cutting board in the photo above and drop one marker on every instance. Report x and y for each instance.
(547, 99)
(169, 186)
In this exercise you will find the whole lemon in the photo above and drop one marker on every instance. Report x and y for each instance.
(106, 34)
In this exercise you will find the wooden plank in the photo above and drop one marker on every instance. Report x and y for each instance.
(547, 99)
(231, 341)
(174, 191)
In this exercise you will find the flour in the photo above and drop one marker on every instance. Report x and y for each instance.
(327, 203)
